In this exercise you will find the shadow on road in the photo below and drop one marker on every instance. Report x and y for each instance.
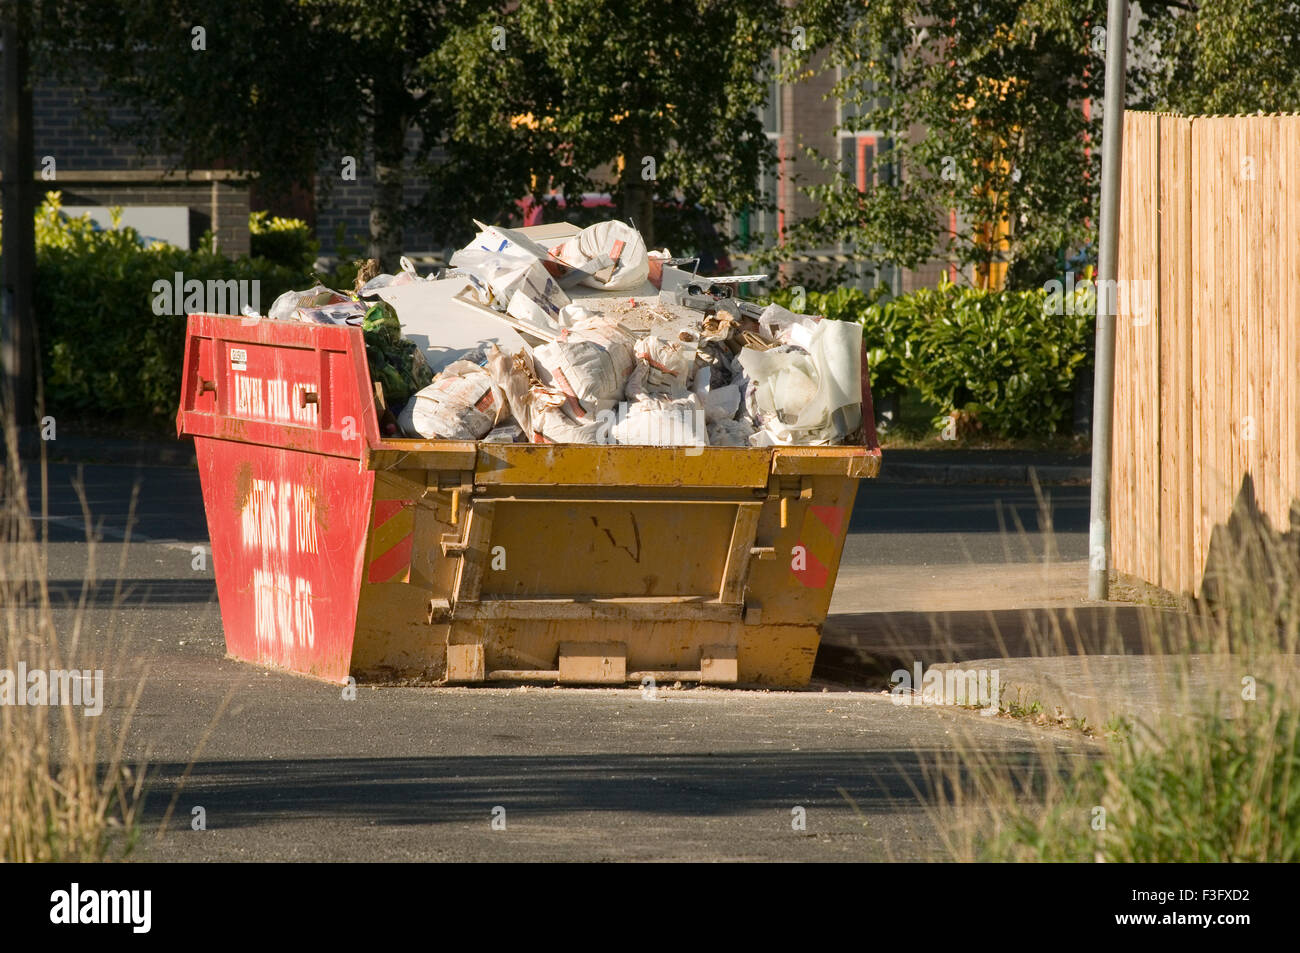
(457, 789)
(862, 648)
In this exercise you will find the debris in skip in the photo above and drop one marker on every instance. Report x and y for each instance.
(555, 334)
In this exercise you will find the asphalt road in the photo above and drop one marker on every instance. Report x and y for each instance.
(293, 770)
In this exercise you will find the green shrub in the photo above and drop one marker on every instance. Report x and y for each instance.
(282, 241)
(104, 350)
(999, 358)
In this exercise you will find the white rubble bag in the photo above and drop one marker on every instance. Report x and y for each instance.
(463, 403)
(664, 366)
(786, 327)
(590, 363)
(556, 426)
(530, 402)
(729, 433)
(631, 266)
(808, 397)
(663, 422)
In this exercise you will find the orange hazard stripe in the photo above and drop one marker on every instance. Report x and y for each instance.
(819, 536)
(391, 536)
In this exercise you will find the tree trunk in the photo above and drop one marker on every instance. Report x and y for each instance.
(386, 205)
(638, 191)
(17, 326)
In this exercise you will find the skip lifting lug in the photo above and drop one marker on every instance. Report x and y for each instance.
(785, 488)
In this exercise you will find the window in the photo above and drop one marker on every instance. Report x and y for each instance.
(762, 225)
(860, 145)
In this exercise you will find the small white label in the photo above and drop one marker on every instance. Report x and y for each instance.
(238, 359)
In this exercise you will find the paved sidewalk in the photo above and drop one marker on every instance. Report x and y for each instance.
(1031, 623)
(889, 617)
(1139, 689)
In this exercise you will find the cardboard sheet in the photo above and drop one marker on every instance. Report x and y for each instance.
(442, 328)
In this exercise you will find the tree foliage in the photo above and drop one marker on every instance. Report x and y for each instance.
(1218, 56)
(982, 110)
(641, 99)
(983, 107)
(982, 104)
(507, 98)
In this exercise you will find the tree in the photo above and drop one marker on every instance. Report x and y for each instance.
(1219, 56)
(279, 88)
(656, 103)
(984, 107)
(985, 101)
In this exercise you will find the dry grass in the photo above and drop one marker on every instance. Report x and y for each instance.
(66, 793)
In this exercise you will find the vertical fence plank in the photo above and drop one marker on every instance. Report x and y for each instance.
(1135, 453)
(1238, 314)
(1268, 432)
(1186, 347)
(1121, 547)
(1223, 430)
(1288, 275)
(1201, 331)
(1206, 165)
(1148, 334)
(1284, 239)
(1249, 269)
(1173, 296)
(1170, 368)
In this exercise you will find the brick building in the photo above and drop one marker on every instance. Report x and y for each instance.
(806, 114)
(93, 170)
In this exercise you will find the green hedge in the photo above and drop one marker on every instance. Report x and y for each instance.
(104, 351)
(1007, 360)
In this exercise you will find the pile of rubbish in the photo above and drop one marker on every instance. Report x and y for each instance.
(587, 336)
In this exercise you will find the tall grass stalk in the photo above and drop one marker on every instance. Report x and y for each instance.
(66, 792)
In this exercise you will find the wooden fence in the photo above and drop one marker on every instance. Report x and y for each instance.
(1207, 373)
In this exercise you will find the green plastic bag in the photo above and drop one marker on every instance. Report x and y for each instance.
(381, 322)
